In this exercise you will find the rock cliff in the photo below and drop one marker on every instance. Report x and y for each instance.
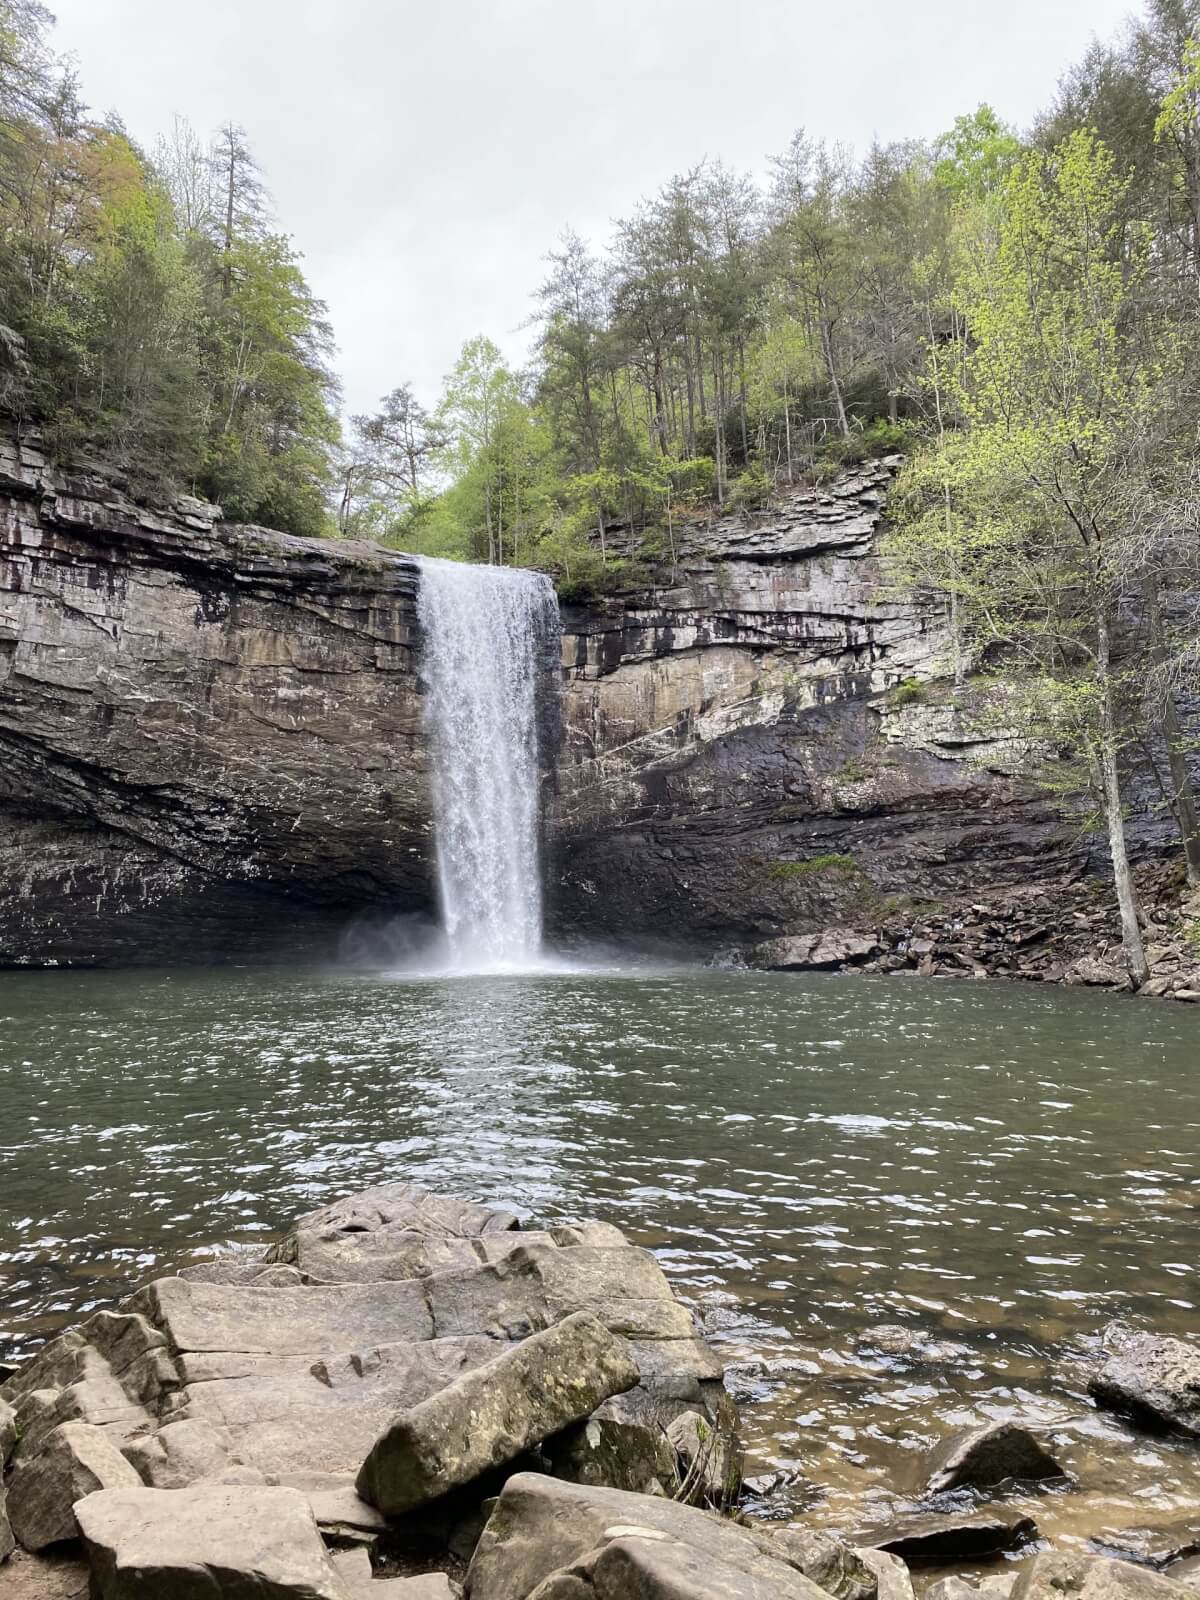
(211, 746)
(210, 738)
(760, 746)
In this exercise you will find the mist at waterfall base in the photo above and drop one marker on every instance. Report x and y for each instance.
(489, 660)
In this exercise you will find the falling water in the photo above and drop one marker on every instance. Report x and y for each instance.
(487, 634)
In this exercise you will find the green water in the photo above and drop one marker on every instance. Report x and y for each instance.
(1005, 1167)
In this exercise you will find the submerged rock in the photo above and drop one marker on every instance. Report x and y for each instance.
(989, 1455)
(159, 1544)
(1151, 1378)
(1159, 1547)
(492, 1415)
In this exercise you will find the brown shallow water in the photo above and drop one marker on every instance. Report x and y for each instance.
(1003, 1168)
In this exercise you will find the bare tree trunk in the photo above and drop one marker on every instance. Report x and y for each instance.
(1183, 793)
(834, 384)
(1131, 930)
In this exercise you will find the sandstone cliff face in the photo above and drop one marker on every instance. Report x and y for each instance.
(211, 747)
(210, 740)
(729, 733)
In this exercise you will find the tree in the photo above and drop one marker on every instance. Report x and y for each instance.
(1051, 391)
(396, 449)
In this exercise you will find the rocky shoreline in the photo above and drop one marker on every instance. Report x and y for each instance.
(1064, 933)
(424, 1392)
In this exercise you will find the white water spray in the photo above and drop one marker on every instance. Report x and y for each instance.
(487, 633)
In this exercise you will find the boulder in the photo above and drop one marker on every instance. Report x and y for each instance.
(230, 1543)
(829, 948)
(996, 1587)
(1151, 1378)
(550, 1539)
(989, 1455)
(490, 1416)
(73, 1461)
(890, 1574)
(8, 1433)
(971, 1536)
(1058, 1575)
(1097, 972)
(913, 1344)
(710, 1465)
(425, 1586)
(613, 1450)
(7, 1542)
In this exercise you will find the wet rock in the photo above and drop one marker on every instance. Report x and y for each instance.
(1151, 1378)
(1061, 1576)
(829, 948)
(578, 1541)
(913, 1344)
(73, 1461)
(972, 1536)
(989, 1455)
(159, 1544)
(489, 1416)
(612, 1451)
(890, 1573)
(1158, 1547)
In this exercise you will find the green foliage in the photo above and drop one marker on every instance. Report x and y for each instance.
(147, 325)
(909, 693)
(814, 867)
(750, 492)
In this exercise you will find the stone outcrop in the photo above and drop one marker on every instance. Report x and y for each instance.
(211, 738)
(163, 1429)
(750, 752)
(210, 735)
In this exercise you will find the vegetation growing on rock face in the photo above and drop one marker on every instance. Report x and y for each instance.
(814, 866)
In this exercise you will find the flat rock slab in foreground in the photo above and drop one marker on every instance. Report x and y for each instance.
(237, 1543)
(548, 1540)
(208, 1432)
(491, 1415)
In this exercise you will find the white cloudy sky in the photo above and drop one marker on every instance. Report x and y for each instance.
(424, 154)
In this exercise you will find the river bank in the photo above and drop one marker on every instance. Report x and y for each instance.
(345, 1408)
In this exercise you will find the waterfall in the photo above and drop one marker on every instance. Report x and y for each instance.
(488, 634)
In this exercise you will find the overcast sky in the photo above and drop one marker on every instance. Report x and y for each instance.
(425, 154)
